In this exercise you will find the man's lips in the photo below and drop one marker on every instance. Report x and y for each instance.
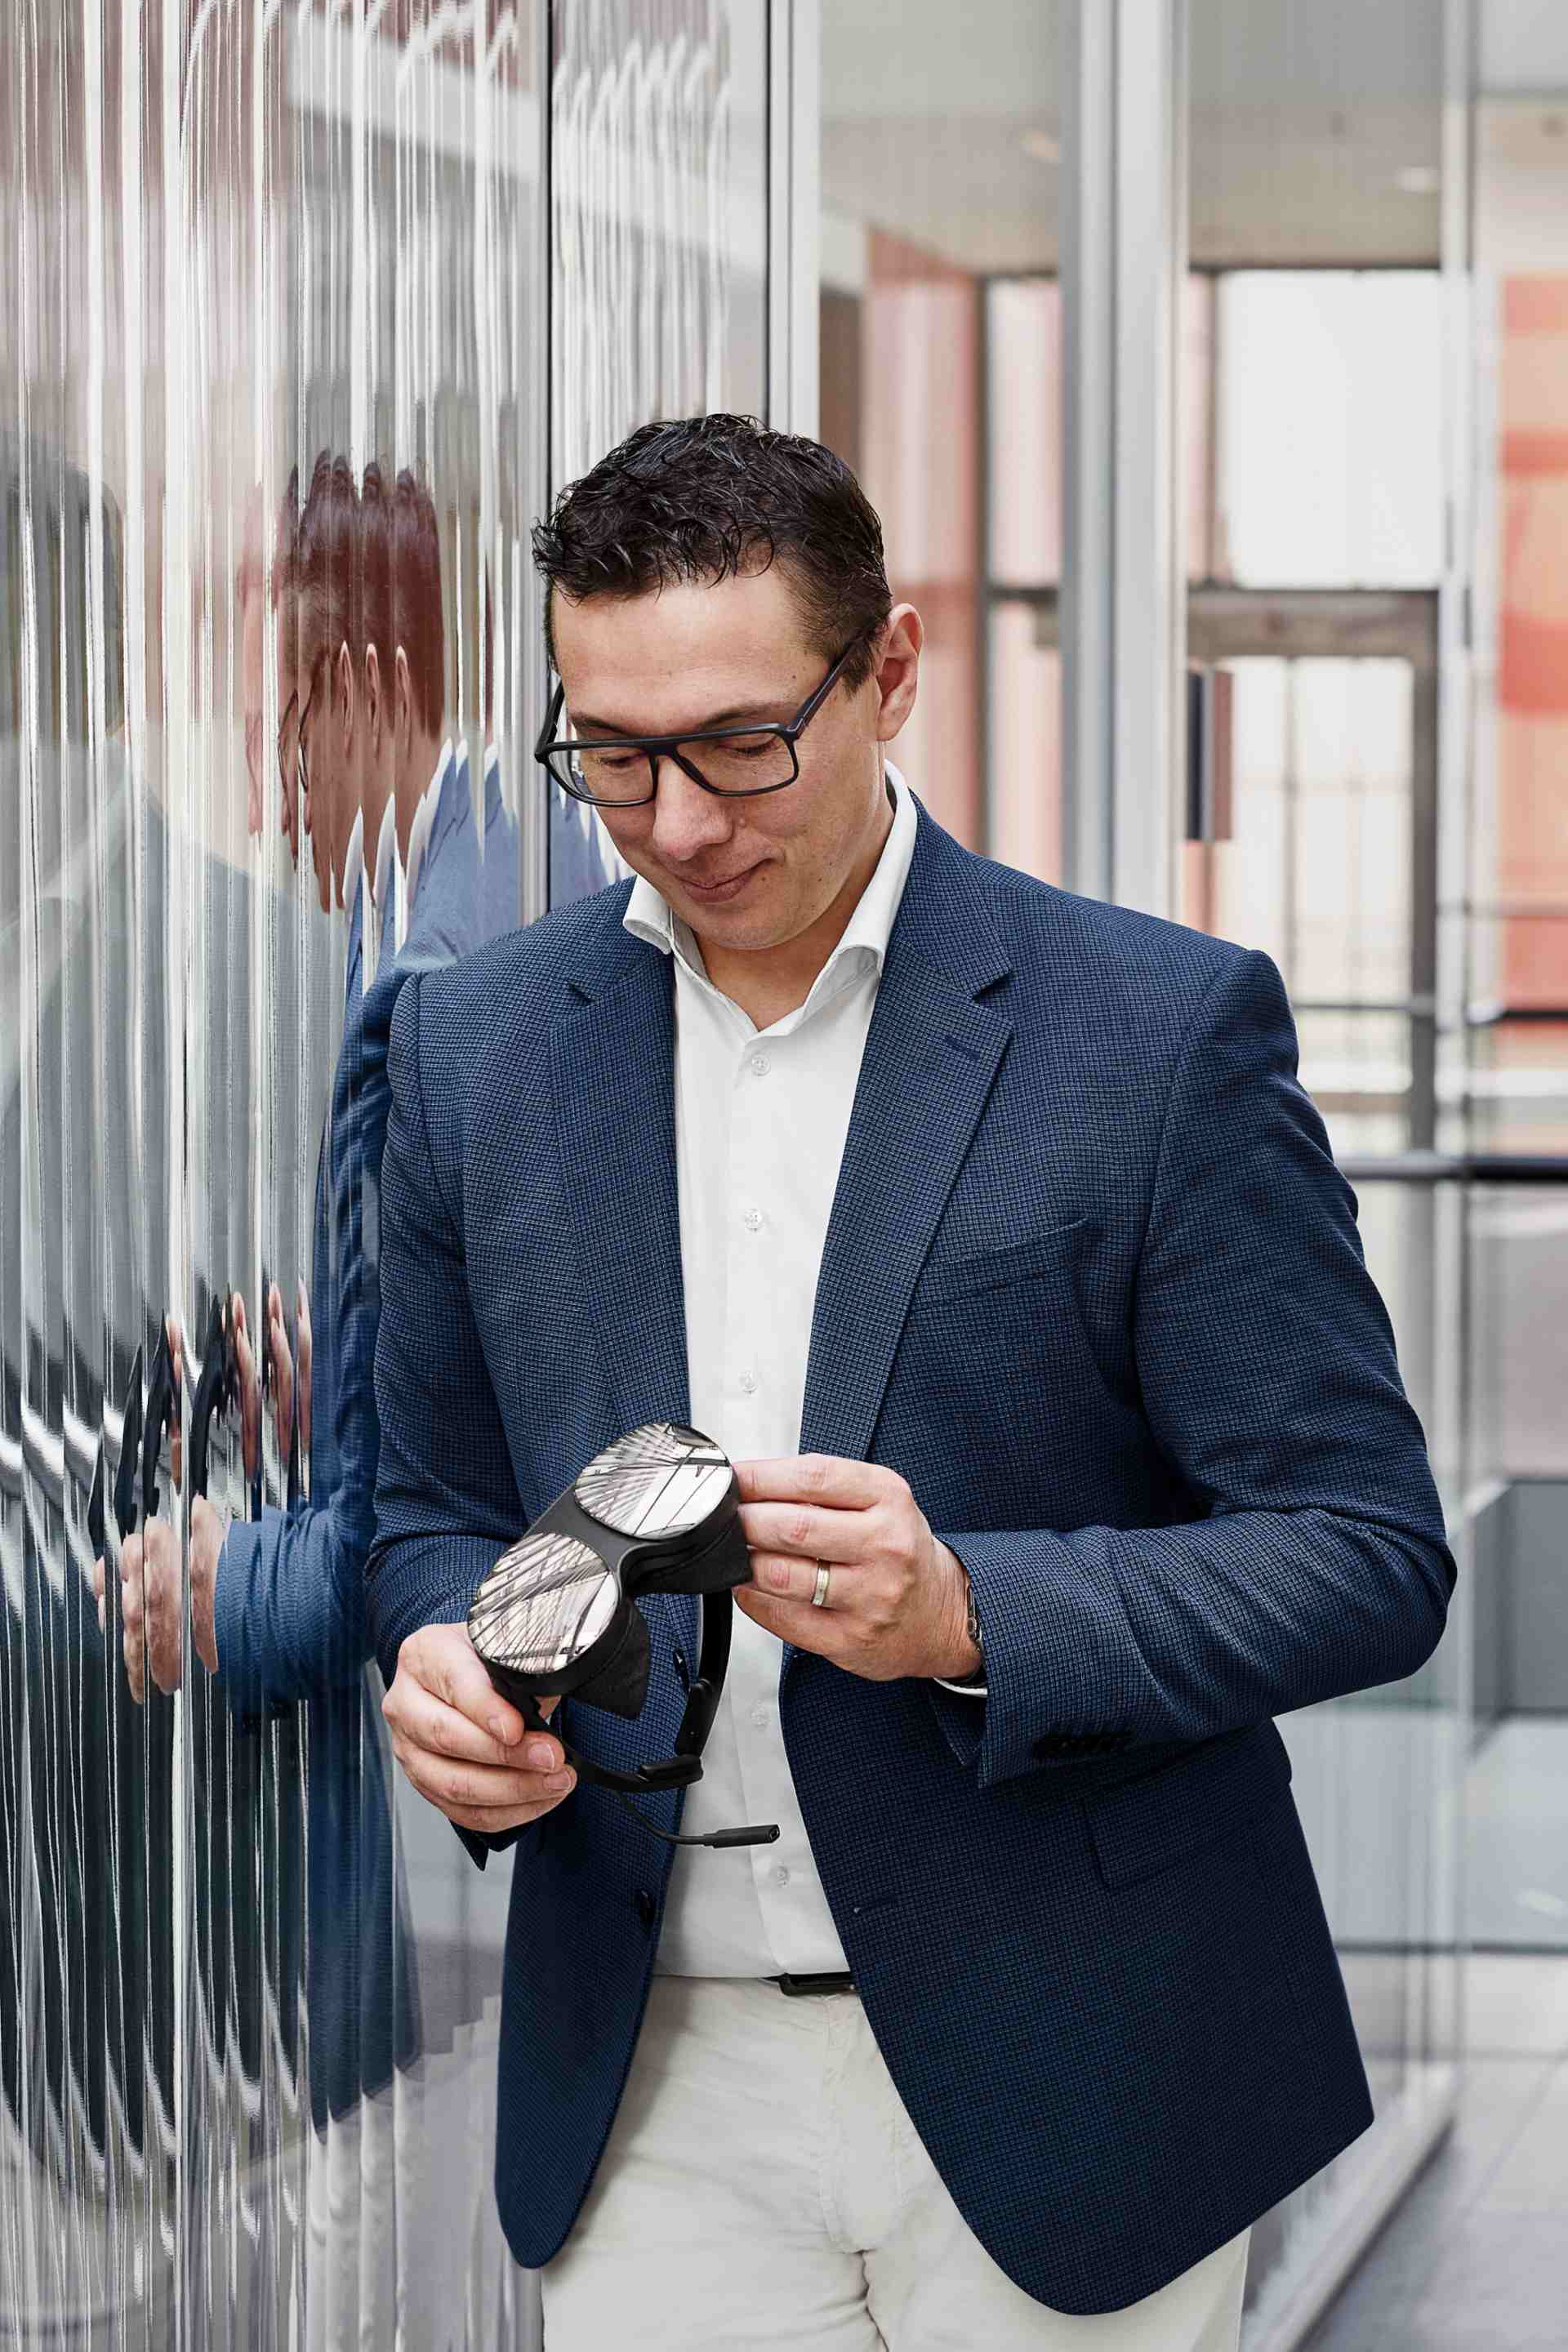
(715, 889)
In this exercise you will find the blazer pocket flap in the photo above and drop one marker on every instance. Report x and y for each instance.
(1143, 1826)
(990, 1269)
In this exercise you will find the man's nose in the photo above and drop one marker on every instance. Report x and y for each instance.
(686, 819)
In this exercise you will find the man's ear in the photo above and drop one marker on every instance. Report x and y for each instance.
(896, 662)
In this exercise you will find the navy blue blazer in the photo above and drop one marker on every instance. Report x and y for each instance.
(1093, 1284)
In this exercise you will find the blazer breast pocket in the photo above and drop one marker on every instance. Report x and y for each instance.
(970, 1273)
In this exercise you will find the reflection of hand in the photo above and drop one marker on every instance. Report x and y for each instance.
(306, 1345)
(461, 1744)
(898, 1599)
(282, 1370)
(249, 1389)
(149, 1599)
(150, 1607)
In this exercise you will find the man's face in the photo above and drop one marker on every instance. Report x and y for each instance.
(726, 653)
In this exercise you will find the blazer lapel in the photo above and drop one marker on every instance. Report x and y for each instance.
(932, 1054)
(613, 1070)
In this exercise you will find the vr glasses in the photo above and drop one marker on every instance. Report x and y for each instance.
(658, 1511)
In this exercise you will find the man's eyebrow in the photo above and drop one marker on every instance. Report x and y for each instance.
(738, 711)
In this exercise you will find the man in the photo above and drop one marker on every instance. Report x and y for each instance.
(989, 1231)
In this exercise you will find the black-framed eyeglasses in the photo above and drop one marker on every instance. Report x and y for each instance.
(622, 772)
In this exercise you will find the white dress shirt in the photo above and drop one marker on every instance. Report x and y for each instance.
(760, 1120)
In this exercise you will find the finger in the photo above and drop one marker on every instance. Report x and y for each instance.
(818, 1630)
(827, 1478)
(424, 1721)
(785, 1576)
(482, 1788)
(810, 1531)
(97, 1580)
(456, 1675)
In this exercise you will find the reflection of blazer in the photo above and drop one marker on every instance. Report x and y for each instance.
(289, 1606)
(1093, 1285)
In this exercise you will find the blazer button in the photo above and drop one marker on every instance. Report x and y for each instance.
(647, 1906)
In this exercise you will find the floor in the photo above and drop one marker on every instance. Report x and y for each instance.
(1476, 2259)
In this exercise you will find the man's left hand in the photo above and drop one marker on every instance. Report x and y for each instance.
(897, 1599)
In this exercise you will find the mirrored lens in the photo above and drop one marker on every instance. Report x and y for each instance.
(543, 1604)
(656, 1480)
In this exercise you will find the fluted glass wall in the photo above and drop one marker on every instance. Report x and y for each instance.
(284, 278)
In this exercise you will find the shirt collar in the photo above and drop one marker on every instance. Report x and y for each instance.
(649, 915)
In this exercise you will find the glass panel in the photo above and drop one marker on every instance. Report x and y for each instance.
(1312, 413)
(658, 157)
(941, 379)
(1329, 457)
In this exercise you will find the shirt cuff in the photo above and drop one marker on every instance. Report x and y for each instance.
(969, 1690)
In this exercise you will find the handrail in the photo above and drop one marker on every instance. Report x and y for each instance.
(1490, 1015)
(1455, 1167)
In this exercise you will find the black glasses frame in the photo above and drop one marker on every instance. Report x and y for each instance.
(667, 747)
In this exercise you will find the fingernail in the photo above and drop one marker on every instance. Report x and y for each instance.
(541, 1754)
(559, 1781)
(500, 1729)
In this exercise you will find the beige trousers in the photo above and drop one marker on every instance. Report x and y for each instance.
(764, 2186)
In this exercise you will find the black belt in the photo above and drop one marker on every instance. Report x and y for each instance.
(842, 1982)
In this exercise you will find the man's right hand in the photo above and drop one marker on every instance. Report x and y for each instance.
(465, 1748)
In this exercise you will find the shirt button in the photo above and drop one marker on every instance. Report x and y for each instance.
(748, 1383)
(781, 1876)
(753, 1220)
(761, 1064)
(760, 1717)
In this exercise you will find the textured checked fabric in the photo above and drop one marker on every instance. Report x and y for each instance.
(1093, 1284)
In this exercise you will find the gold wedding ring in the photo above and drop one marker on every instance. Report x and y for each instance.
(820, 1598)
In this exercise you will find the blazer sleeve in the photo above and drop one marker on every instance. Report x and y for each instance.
(290, 1602)
(446, 1504)
(1315, 1562)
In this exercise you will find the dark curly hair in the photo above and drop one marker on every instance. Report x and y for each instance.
(699, 499)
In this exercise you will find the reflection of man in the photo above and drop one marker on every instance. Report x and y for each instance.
(989, 1231)
(277, 1599)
